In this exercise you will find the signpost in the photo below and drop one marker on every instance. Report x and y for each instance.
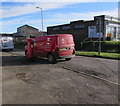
(98, 29)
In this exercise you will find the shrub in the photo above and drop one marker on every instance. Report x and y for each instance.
(20, 45)
(106, 46)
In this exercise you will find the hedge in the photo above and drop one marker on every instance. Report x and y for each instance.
(106, 46)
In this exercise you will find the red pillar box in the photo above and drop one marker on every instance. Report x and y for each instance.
(30, 48)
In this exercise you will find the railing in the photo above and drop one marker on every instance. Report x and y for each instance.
(94, 43)
(84, 41)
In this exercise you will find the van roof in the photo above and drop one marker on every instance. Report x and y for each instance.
(60, 35)
(54, 35)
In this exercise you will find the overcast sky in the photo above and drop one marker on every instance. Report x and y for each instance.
(15, 14)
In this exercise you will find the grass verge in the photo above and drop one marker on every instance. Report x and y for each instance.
(95, 54)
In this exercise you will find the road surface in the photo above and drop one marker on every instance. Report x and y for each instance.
(83, 80)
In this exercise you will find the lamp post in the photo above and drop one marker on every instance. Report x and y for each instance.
(99, 49)
(98, 30)
(41, 19)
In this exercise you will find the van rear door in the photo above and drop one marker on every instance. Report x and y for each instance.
(65, 45)
(65, 41)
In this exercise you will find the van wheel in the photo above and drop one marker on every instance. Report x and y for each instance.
(51, 58)
(67, 59)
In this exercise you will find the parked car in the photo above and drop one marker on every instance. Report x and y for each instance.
(6, 42)
(51, 46)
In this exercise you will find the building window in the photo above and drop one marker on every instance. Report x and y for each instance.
(113, 32)
(79, 26)
(56, 28)
(66, 27)
(118, 33)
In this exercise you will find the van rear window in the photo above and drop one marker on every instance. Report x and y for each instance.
(65, 40)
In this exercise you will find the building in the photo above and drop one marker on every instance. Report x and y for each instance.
(42, 33)
(105, 26)
(24, 32)
(27, 31)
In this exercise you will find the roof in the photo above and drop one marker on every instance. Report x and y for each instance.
(59, 25)
(28, 26)
(85, 21)
(118, 18)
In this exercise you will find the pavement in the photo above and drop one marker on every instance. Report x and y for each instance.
(83, 80)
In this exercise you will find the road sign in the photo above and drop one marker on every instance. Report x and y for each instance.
(99, 25)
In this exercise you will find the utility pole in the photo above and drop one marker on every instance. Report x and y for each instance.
(99, 48)
(41, 19)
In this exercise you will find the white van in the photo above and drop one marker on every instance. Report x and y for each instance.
(6, 42)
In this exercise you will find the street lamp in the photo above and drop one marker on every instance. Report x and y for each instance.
(99, 36)
(41, 19)
(99, 29)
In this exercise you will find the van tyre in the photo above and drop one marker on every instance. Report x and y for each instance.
(51, 58)
(67, 59)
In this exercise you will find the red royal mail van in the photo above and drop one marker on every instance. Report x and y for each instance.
(51, 46)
